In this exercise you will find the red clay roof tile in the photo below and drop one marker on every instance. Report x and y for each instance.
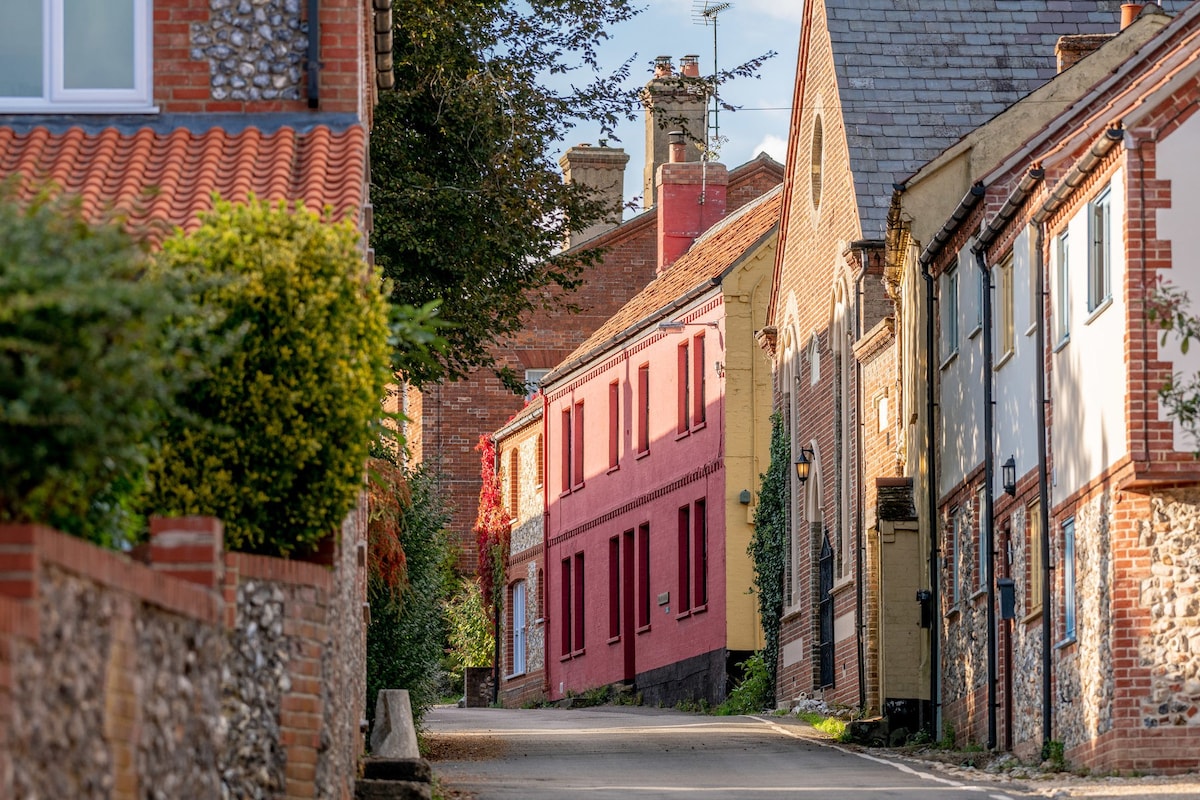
(162, 180)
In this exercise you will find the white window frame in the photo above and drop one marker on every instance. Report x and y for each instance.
(1062, 304)
(57, 98)
(950, 317)
(1006, 334)
(1100, 246)
(518, 628)
(1069, 618)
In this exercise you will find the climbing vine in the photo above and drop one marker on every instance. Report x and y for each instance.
(491, 528)
(768, 546)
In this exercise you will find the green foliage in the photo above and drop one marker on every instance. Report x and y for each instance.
(1054, 755)
(468, 203)
(87, 369)
(754, 693)
(292, 411)
(831, 726)
(407, 635)
(768, 547)
(1170, 309)
(949, 737)
(470, 633)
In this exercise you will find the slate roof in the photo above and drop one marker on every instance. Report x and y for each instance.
(163, 176)
(916, 75)
(718, 250)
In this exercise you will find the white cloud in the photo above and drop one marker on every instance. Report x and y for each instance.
(773, 146)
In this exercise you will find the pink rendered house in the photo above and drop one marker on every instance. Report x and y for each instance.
(656, 430)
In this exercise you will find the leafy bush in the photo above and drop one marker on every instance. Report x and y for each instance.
(290, 414)
(471, 643)
(755, 692)
(86, 370)
(407, 634)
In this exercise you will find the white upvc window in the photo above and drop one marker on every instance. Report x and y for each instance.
(75, 55)
(1100, 253)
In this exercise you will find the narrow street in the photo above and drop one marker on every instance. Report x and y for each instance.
(642, 753)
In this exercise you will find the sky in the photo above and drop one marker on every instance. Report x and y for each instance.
(748, 28)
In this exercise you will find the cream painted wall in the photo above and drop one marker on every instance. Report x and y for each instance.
(748, 397)
(1016, 422)
(1089, 377)
(1177, 224)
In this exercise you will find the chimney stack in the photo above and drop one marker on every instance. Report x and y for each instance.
(1070, 50)
(601, 169)
(672, 102)
(1129, 12)
(691, 198)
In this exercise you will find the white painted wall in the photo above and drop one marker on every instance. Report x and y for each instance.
(1177, 224)
(1089, 378)
(1016, 422)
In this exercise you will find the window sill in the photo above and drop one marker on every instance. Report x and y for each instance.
(699, 426)
(578, 486)
(948, 361)
(1063, 342)
(954, 613)
(579, 653)
(613, 469)
(682, 435)
(1004, 359)
(978, 329)
(979, 593)
(1031, 330)
(1065, 644)
(614, 640)
(840, 585)
(1032, 615)
(642, 454)
(78, 108)
(683, 614)
(564, 493)
(514, 675)
(1098, 310)
(643, 629)
(700, 609)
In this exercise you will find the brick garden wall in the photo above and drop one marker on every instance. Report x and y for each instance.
(199, 674)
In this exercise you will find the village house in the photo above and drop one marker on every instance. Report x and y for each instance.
(1067, 512)
(520, 462)
(446, 419)
(881, 89)
(656, 431)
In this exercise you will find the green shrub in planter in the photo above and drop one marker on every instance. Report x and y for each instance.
(280, 428)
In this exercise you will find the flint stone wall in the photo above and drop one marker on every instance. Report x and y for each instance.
(122, 681)
(1171, 648)
(255, 49)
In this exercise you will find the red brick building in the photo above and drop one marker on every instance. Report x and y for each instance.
(447, 419)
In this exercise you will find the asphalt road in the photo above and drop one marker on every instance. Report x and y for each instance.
(635, 753)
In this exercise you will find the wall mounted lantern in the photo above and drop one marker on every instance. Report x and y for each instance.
(1008, 476)
(804, 464)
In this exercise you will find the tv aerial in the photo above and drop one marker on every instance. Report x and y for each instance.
(706, 12)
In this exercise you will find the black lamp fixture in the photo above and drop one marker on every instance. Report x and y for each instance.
(804, 464)
(1008, 476)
